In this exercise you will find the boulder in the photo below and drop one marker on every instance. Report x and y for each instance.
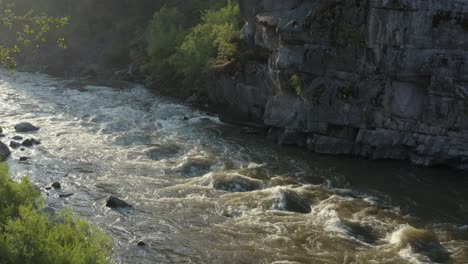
(234, 182)
(4, 151)
(25, 127)
(56, 185)
(30, 142)
(14, 144)
(291, 201)
(113, 202)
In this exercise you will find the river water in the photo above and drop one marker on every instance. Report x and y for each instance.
(203, 192)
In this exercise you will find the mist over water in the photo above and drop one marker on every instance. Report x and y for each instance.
(205, 193)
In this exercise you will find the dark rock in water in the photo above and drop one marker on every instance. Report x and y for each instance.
(234, 182)
(185, 118)
(292, 202)
(30, 142)
(17, 138)
(48, 188)
(2, 135)
(56, 185)
(362, 232)
(23, 158)
(14, 144)
(4, 151)
(1, 130)
(25, 127)
(27, 143)
(141, 244)
(22, 149)
(65, 195)
(113, 202)
(161, 152)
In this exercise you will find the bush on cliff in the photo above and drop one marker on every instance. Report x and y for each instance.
(28, 235)
(210, 43)
(182, 50)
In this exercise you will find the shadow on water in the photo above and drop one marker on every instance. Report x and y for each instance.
(429, 194)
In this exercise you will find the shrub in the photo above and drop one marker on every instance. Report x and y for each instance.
(210, 43)
(297, 84)
(30, 236)
(182, 47)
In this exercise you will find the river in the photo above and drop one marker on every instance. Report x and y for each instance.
(203, 192)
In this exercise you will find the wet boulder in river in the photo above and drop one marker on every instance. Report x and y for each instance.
(25, 127)
(30, 142)
(113, 202)
(421, 241)
(234, 182)
(291, 201)
(4, 151)
(14, 144)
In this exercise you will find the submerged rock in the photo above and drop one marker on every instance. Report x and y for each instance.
(362, 232)
(161, 152)
(113, 202)
(288, 200)
(141, 244)
(25, 127)
(56, 185)
(422, 242)
(17, 138)
(4, 151)
(234, 182)
(23, 158)
(65, 195)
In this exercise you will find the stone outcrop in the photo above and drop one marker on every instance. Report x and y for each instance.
(383, 79)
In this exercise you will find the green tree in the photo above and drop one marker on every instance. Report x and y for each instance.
(210, 43)
(166, 33)
(27, 30)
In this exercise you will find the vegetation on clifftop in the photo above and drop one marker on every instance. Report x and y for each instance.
(29, 235)
(181, 51)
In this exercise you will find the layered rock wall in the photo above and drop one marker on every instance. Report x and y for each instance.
(384, 79)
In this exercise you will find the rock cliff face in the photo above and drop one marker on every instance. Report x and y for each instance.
(384, 79)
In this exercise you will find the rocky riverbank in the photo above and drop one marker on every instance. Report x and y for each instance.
(369, 78)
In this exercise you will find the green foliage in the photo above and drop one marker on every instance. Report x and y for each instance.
(165, 35)
(183, 56)
(297, 84)
(210, 43)
(29, 236)
(26, 30)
